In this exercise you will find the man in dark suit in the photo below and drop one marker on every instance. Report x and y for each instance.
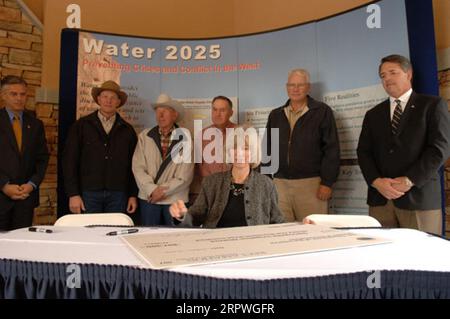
(403, 143)
(24, 156)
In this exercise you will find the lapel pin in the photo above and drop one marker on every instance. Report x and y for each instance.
(412, 106)
(28, 126)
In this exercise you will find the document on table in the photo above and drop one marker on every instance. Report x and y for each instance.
(205, 246)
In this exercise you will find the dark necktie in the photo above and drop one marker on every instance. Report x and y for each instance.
(396, 118)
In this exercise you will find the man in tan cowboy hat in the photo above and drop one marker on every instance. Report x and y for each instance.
(97, 157)
(161, 181)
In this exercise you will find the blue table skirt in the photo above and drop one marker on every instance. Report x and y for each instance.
(24, 279)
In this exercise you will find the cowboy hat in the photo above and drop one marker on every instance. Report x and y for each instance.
(109, 86)
(166, 101)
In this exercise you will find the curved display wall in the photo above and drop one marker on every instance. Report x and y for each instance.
(342, 54)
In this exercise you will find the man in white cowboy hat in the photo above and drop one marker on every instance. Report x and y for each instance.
(97, 157)
(161, 181)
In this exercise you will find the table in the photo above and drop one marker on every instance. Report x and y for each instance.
(37, 265)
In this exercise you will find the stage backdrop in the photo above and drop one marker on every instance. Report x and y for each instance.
(342, 53)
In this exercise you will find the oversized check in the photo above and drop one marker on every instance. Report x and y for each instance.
(204, 246)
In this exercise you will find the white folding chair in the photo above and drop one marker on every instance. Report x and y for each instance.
(116, 219)
(342, 220)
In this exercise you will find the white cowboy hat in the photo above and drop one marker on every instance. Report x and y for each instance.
(166, 101)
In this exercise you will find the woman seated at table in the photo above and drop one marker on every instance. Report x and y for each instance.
(239, 197)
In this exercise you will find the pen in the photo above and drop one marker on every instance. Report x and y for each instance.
(122, 232)
(40, 230)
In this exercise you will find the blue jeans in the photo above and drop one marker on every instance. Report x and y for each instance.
(105, 201)
(153, 214)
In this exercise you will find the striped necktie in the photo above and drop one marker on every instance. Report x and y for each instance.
(396, 118)
(17, 128)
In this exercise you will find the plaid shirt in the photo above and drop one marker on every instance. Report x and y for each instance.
(165, 141)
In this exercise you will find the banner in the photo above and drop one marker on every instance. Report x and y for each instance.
(341, 53)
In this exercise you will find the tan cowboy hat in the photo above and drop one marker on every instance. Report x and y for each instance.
(166, 101)
(109, 86)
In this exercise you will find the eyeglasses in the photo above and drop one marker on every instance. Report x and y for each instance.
(296, 85)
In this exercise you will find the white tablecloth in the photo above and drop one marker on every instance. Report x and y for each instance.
(409, 250)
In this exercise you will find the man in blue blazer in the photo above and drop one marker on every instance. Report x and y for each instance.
(403, 143)
(24, 156)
